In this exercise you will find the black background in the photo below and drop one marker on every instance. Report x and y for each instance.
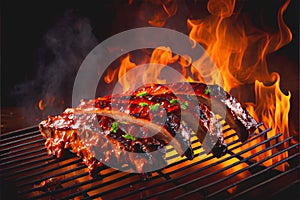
(25, 23)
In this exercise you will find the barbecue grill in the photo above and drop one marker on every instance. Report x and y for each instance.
(25, 166)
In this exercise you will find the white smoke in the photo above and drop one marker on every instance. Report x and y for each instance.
(64, 47)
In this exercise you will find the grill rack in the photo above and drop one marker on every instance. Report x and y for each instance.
(24, 162)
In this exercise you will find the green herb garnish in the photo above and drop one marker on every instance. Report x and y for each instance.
(172, 101)
(143, 104)
(141, 94)
(207, 91)
(114, 127)
(128, 136)
(184, 105)
(154, 107)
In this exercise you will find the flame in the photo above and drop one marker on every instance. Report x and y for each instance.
(43, 103)
(273, 109)
(274, 103)
(239, 51)
(161, 57)
(49, 104)
(167, 9)
(110, 76)
(40, 105)
(124, 78)
(238, 48)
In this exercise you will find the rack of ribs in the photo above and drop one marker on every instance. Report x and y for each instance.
(104, 129)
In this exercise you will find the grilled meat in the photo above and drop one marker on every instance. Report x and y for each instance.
(102, 130)
(221, 102)
(98, 140)
(212, 96)
(181, 117)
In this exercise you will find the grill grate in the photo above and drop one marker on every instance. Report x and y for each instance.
(25, 163)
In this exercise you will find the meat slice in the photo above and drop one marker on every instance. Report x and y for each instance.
(96, 140)
(194, 115)
(147, 120)
(212, 96)
(161, 113)
(221, 102)
(182, 118)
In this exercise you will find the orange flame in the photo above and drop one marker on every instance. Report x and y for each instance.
(167, 9)
(40, 105)
(163, 57)
(125, 79)
(239, 50)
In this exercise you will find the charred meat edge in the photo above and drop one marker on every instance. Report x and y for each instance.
(62, 136)
(204, 124)
(215, 98)
(181, 132)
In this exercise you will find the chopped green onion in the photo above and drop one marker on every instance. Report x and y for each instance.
(172, 101)
(128, 136)
(154, 107)
(184, 105)
(141, 94)
(143, 104)
(207, 90)
(114, 127)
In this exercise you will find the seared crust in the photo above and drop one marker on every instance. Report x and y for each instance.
(88, 129)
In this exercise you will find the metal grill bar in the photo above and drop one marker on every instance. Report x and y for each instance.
(85, 183)
(288, 186)
(21, 150)
(265, 182)
(234, 174)
(8, 144)
(196, 163)
(49, 170)
(23, 135)
(168, 180)
(260, 172)
(35, 167)
(22, 145)
(208, 166)
(27, 148)
(161, 174)
(24, 159)
(21, 154)
(102, 184)
(19, 132)
(48, 177)
(152, 178)
(21, 165)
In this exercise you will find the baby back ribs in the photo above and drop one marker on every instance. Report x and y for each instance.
(102, 130)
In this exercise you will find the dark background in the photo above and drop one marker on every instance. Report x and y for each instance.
(27, 54)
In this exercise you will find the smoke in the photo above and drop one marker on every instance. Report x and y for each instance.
(63, 49)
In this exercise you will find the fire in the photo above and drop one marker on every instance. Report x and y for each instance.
(43, 103)
(40, 105)
(49, 105)
(161, 57)
(274, 103)
(240, 54)
(239, 50)
(123, 77)
(273, 110)
(166, 9)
